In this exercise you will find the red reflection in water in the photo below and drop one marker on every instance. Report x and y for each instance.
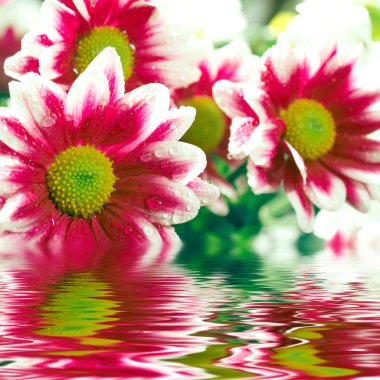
(117, 315)
(310, 334)
(64, 317)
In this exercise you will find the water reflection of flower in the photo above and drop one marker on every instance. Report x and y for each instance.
(107, 315)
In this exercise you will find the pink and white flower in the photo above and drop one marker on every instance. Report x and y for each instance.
(73, 32)
(349, 230)
(17, 18)
(306, 124)
(233, 62)
(96, 163)
(347, 21)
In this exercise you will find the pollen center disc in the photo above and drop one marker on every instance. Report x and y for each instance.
(209, 125)
(89, 46)
(80, 181)
(310, 128)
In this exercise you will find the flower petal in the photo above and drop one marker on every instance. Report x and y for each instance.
(242, 129)
(205, 191)
(230, 98)
(21, 212)
(14, 175)
(62, 21)
(55, 62)
(264, 181)
(265, 142)
(293, 185)
(169, 55)
(235, 62)
(358, 194)
(87, 99)
(13, 133)
(42, 104)
(139, 113)
(297, 159)
(20, 64)
(362, 172)
(179, 161)
(359, 148)
(84, 7)
(175, 125)
(108, 63)
(323, 188)
(164, 201)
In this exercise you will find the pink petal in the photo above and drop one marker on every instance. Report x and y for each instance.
(59, 230)
(235, 62)
(230, 98)
(361, 148)
(164, 201)
(293, 185)
(60, 19)
(14, 175)
(84, 7)
(34, 42)
(219, 207)
(103, 10)
(135, 16)
(283, 74)
(169, 54)
(139, 113)
(87, 99)
(44, 103)
(80, 234)
(179, 161)
(240, 144)
(13, 133)
(20, 64)
(56, 62)
(323, 188)
(265, 142)
(175, 125)
(108, 63)
(357, 195)
(362, 172)
(297, 159)
(24, 209)
(260, 102)
(264, 181)
(130, 226)
(205, 191)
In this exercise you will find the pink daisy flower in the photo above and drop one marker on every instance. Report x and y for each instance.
(95, 162)
(209, 131)
(306, 124)
(73, 32)
(17, 18)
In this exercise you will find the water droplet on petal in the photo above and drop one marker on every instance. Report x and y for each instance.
(154, 203)
(160, 152)
(146, 157)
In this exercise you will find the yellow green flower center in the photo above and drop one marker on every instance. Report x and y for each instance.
(310, 128)
(97, 40)
(209, 125)
(280, 22)
(80, 181)
(374, 14)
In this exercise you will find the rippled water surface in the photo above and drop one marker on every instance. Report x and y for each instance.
(241, 316)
